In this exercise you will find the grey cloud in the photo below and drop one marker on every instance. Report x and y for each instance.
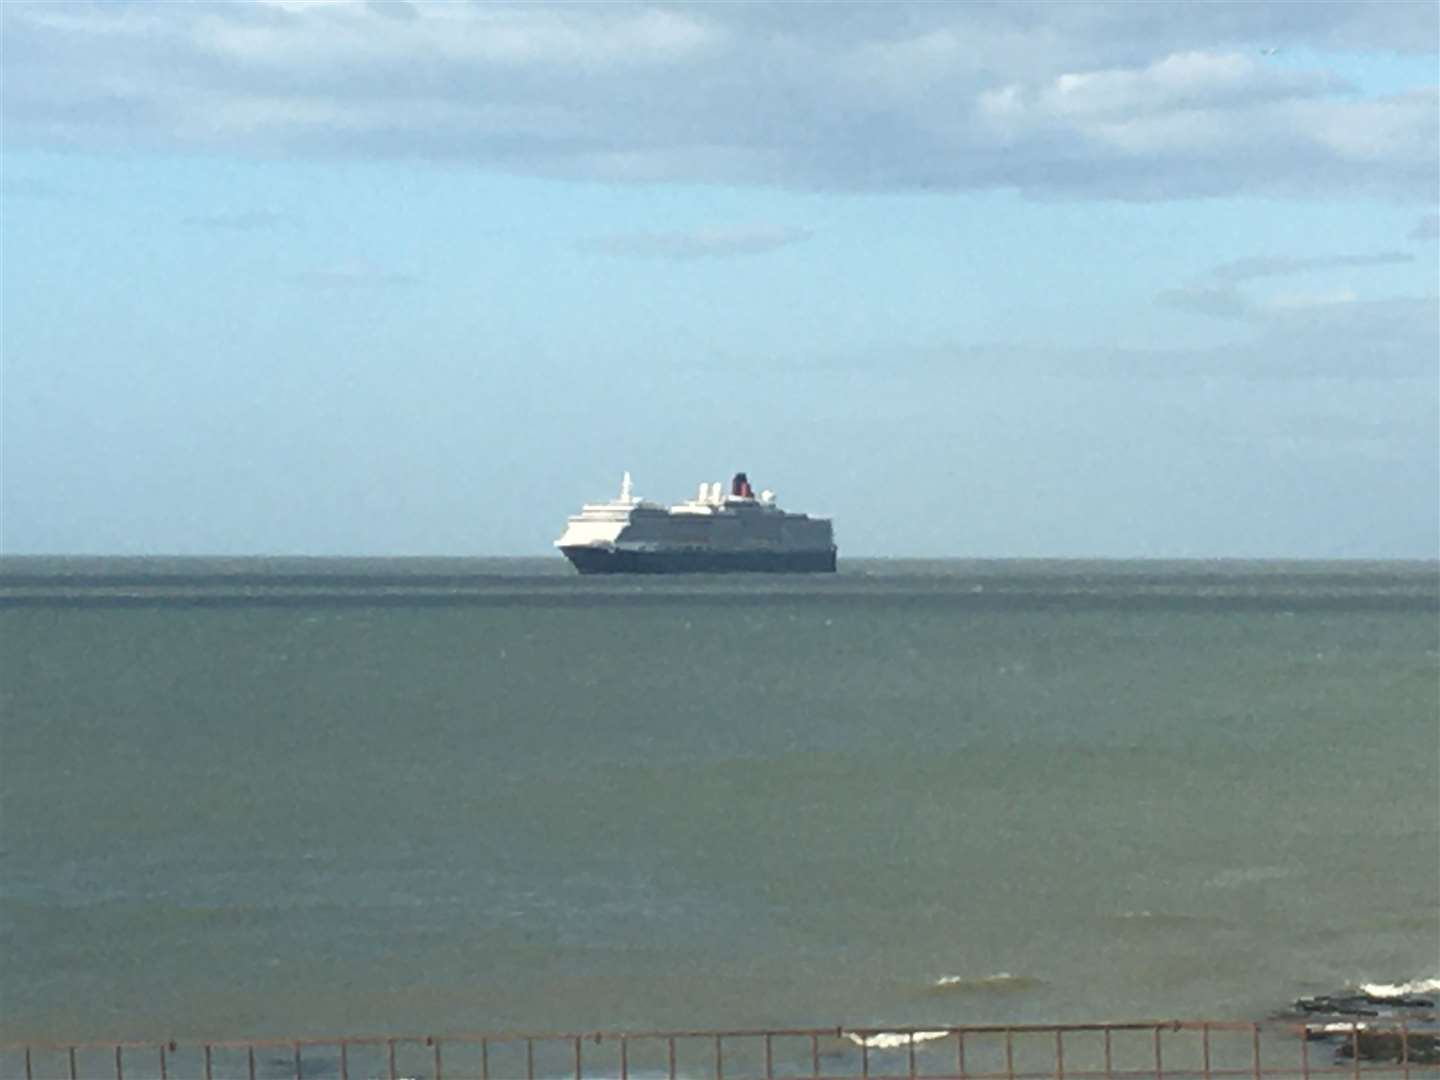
(239, 221)
(1427, 228)
(1152, 101)
(698, 243)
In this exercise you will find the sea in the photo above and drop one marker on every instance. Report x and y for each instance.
(280, 797)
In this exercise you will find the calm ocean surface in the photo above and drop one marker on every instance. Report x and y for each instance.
(267, 797)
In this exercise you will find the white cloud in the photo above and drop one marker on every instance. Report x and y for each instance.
(1160, 100)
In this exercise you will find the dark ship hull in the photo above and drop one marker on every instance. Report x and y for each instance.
(601, 560)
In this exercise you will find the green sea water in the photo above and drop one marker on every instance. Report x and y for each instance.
(277, 797)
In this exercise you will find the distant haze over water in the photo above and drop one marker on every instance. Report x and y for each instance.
(306, 796)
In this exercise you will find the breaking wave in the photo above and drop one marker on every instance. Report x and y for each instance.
(1000, 983)
(890, 1040)
(1386, 991)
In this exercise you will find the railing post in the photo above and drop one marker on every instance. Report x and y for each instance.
(1009, 1054)
(960, 1053)
(1205, 1046)
(439, 1069)
(1059, 1054)
(1159, 1064)
(1255, 1040)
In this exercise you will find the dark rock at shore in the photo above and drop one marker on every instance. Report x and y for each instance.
(1338, 1005)
(1416, 1047)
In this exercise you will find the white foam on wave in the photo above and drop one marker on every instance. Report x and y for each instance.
(1000, 981)
(891, 1040)
(1398, 990)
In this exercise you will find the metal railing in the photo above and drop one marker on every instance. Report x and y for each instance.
(1169, 1050)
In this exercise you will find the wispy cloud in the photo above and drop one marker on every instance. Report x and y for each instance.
(698, 243)
(1275, 266)
(1427, 228)
(354, 275)
(1218, 292)
(25, 187)
(239, 221)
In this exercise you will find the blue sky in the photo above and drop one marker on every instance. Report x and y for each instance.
(978, 280)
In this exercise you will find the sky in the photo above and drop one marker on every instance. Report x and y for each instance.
(978, 280)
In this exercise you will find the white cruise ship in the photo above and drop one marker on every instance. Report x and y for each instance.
(715, 532)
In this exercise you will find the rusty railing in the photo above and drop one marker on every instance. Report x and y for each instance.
(1169, 1050)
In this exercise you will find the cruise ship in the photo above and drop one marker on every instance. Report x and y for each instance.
(715, 532)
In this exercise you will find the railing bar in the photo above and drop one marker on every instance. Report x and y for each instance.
(390, 1054)
(769, 1058)
(1205, 1046)
(814, 1057)
(624, 1058)
(1159, 1065)
(911, 1074)
(670, 1042)
(1355, 1046)
(1305, 1055)
(249, 1056)
(577, 1058)
(1405, 1048)
(344, 1060)
(960, 1053)
(1009, 1054)
(119, 1063)
(1109, 1065)
(72, 1064)
(299, 1065)
(209, 1071)
(1059, 1055)
(164, 1065)
(529, 1060)
(439, 1068)
(1255, 1039)
(719, 1059)
(484, 1059)
(864, 1057)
